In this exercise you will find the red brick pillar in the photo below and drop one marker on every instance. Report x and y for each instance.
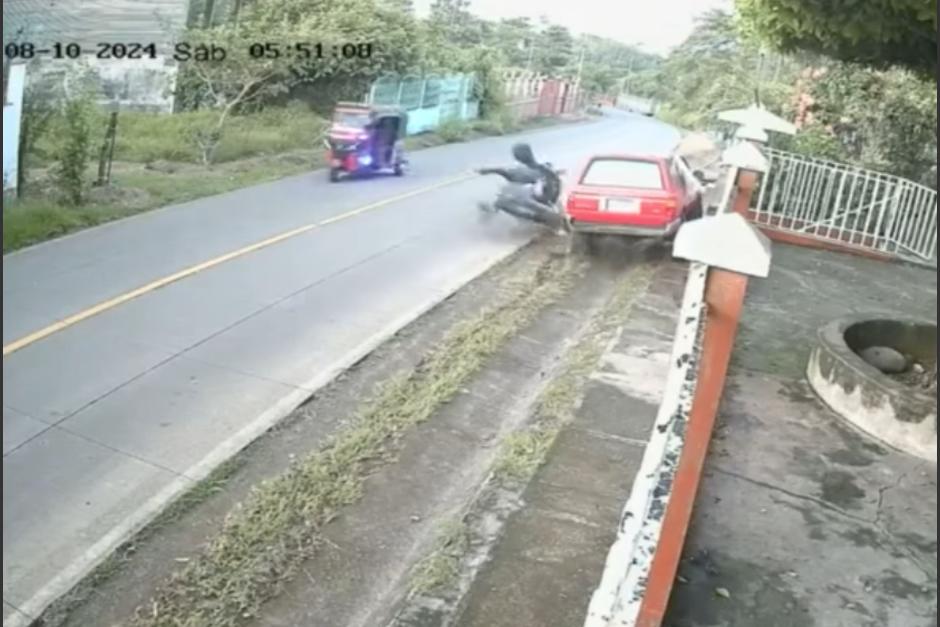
(746, 183)
(725, 292)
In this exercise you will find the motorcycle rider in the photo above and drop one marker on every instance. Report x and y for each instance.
(533, 191)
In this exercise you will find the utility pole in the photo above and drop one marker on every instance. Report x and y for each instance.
(577, 82)
(634, 55)
(528, 63)
(760, 77)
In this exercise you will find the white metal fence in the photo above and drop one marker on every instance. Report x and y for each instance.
(848, 205)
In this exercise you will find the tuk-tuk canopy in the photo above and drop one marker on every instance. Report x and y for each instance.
(361, 114)
(356, 119)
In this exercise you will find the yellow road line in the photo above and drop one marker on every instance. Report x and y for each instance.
(211, 263)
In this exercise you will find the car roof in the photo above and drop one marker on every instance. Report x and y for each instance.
(621, 156)
(660, 160)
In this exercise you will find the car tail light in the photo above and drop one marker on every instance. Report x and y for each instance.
(668, 207)
(583, 203)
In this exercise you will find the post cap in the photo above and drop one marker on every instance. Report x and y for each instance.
(746, 156)
(727, 241)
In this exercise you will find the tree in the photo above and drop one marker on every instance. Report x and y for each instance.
(885, 120)
(383, 37)
(610, 65)
(516, 39)
(235, 81)
(880, 33)
(555, 50)
(880, 119)
(456, 23)
(715, 69)
(75, 149)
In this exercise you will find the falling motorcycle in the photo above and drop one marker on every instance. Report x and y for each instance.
(532, 191)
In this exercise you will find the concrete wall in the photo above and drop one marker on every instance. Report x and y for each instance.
(12, 113)
(523, 91)
(136, 84)
(145, 84)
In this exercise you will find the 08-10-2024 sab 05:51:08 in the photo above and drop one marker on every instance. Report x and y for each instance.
(309, 51)
(182, 52)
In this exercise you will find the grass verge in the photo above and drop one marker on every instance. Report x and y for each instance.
(442, 566)
(59, 612)
(524, 452)
(139, 185)
(435, 580)
(265, 540)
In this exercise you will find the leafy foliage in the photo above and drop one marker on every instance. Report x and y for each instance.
(886, 120)
(73, 158)
(555, 54)
(717, 69)
(881, 119)
(880, 33)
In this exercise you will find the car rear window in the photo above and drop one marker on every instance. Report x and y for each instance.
(623, 173)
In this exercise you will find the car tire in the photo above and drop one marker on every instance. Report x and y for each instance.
(334, 175)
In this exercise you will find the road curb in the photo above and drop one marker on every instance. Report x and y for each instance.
(724, 298)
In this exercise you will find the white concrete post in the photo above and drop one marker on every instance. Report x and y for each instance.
(727, 240)
(12, 119)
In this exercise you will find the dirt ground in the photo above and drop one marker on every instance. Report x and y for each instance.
(802, 520)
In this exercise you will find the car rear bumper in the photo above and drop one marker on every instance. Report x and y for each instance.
(601, 228)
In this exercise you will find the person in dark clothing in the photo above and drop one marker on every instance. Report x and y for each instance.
(533, 190)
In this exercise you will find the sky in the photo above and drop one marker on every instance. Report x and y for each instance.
(656, 25)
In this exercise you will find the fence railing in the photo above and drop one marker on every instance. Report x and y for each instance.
(848, 205)
(429, 100)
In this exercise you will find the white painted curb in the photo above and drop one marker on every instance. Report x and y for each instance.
(617, 599)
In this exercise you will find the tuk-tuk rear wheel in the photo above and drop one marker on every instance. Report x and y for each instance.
(334, 175)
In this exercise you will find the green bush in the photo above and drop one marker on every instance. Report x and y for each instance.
(147, 137)
(489, 127)
(72, 157)
(453, 130)
(32, 221)
(272, 131)
(671, 115)
(814, 141)
(499, 123)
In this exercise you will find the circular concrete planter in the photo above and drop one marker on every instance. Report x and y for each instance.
(899, 415)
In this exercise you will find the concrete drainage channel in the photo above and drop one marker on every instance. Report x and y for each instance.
(397, 499)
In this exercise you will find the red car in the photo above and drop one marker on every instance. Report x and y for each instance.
(633, 195)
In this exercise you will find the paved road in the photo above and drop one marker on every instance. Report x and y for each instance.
(107, 419)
